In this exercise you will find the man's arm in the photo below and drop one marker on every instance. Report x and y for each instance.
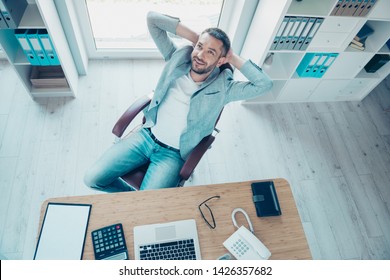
(159, 25)
(234, 59)
(187, 33)
(258, 82)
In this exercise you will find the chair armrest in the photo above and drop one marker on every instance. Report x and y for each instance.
(124, 121)
(195, 156)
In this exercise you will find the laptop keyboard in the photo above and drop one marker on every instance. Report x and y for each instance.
(176, 250)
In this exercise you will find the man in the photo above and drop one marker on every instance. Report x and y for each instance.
(188, 98)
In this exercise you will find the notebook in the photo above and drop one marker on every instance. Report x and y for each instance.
(167, 241)
(63, 232)
(266, 199)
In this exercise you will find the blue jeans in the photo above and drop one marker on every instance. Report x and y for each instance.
(127, 155)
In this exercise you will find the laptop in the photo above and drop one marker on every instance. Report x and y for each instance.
(176, 240)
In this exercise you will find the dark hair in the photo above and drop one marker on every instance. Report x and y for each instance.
(219, 34)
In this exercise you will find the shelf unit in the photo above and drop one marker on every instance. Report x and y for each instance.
(2, 54)
(346, 79)
(41, 14)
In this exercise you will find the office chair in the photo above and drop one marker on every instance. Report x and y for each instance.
(135, 177)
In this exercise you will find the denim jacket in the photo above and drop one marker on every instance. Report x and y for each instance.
(214, 93)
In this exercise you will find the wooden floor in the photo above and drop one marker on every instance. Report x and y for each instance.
(336, 156)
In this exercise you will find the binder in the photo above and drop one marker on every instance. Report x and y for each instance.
(340, 11)
(32, 36)
(356, 10)
(3, 15)
(283, 38)
(13, 11)
(335, 9)
(370, 4)
(304, 33)
(351, 8)
(305, 68)
(295, 38)
(279, 33)
(291, 35)
(3, 23)
(291, 32)
(312, 32)
(48, 48)
(316, 68)
(328, 62)
(361, 8)
(21, 35)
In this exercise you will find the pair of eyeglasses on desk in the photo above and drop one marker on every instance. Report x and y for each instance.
(206, 212)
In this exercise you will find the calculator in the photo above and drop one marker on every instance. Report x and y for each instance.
(109, 243)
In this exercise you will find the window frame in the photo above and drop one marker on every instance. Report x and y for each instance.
(232, 9)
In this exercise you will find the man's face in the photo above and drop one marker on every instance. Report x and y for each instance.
(207, 54)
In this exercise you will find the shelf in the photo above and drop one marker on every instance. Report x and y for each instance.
(376, 40)
(347, 65)
(381, 73)
(2, 54)
(328, 90)
(63, 92)
(357, 89)
(41, 14)
(297, 90)
(32, 18)
(283, 65)
(24, 72)
(329, 42)
(381, 10)
(20, 58)
(384, 50)
(339, 24)
(311, 8)
(346, 79)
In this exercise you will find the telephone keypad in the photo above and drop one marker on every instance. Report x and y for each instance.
(240, 248)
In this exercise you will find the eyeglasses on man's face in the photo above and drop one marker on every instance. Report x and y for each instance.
(206, 212)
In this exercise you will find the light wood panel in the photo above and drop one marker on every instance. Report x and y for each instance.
(336, 156)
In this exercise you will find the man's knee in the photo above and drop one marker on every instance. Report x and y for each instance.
(90, 179)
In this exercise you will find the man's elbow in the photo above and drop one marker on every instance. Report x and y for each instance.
(264, 87)
(150, 17)
(269, 85)
(150, 14)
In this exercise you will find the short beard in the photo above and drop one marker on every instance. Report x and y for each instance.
(201, 71)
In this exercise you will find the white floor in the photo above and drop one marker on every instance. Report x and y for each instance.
(336, 156)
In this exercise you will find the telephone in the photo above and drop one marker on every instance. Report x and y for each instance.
(243, 244)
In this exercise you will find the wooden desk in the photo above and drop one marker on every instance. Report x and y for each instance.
(283, 235)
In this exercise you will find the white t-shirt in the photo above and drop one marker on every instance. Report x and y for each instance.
(173, 110)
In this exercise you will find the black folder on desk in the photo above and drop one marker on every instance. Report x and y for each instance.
(265, 199)
(63, 232)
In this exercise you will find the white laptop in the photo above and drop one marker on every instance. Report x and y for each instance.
(167, 241)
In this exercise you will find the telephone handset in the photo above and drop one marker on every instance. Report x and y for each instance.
(243, 244)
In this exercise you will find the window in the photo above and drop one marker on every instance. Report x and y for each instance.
(117, 28)
(121, 24)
